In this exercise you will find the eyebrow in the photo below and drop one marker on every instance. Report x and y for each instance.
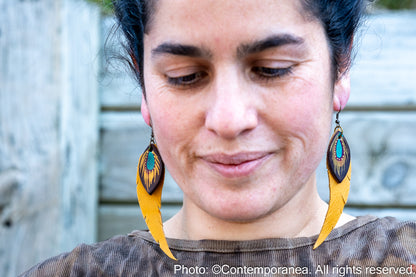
(242, 51)
(181, 50)
(267, 43)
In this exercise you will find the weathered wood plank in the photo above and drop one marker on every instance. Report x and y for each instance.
(382, 76)
(122, 219)
(79, 122)
(382, 145)
(117, 219)
(384, 71)
(400, 214)
(48, 129)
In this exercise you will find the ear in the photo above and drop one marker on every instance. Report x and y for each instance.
(342, 91)
(145, 111)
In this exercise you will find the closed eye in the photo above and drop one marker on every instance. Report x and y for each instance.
(271, 73)
(187, 80)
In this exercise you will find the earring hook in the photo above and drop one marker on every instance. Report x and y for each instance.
(152, 138)
(338, 123)
(337, 118)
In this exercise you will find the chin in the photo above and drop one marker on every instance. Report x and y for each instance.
(240, 212)
(245, 200)
(243, 218)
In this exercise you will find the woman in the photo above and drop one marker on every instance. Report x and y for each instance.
(240, 95)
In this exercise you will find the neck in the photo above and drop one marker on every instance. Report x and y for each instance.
(301, 216)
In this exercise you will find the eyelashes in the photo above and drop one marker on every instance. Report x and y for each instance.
(257, 73)
(187, 80)
(268, 73)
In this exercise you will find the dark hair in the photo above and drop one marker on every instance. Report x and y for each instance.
(339, 18)
(133, 18)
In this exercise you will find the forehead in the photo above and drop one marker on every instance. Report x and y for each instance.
(225, 24)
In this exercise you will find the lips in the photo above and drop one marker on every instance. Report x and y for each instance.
(236, 165)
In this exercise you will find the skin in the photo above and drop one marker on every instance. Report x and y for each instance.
(241, 124)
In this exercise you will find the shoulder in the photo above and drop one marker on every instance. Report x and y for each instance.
(120, 253)
(371, 229)
(386, 242)
(392, 229)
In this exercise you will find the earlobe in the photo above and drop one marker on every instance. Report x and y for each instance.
(145, 111)
(342, 91)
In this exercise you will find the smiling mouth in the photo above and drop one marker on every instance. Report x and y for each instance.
(238, 165)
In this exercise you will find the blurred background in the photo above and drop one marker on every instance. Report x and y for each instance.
(71, 131)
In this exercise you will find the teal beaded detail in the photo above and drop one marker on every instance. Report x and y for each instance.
(339, 149)
(150, 164)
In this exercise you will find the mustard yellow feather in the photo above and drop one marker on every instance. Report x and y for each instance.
(337, 199)
(150, 205)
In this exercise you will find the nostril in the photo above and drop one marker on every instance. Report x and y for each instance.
(230, 125)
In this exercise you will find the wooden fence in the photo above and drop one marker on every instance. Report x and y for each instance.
(71, 131)
(48, 129)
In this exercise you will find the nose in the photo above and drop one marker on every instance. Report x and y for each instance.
(231, 112)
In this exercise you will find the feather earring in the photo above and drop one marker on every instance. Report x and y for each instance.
(338, 162)
(149, 179)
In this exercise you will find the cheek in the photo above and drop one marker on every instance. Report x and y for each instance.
(169, 133)
(161, 112)
(176, 122)
(302, 118)
(314, 123)
(304, 109)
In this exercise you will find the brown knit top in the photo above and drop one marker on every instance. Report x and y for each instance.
(366, 246)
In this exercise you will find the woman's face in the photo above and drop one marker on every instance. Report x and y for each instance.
(240, 98)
